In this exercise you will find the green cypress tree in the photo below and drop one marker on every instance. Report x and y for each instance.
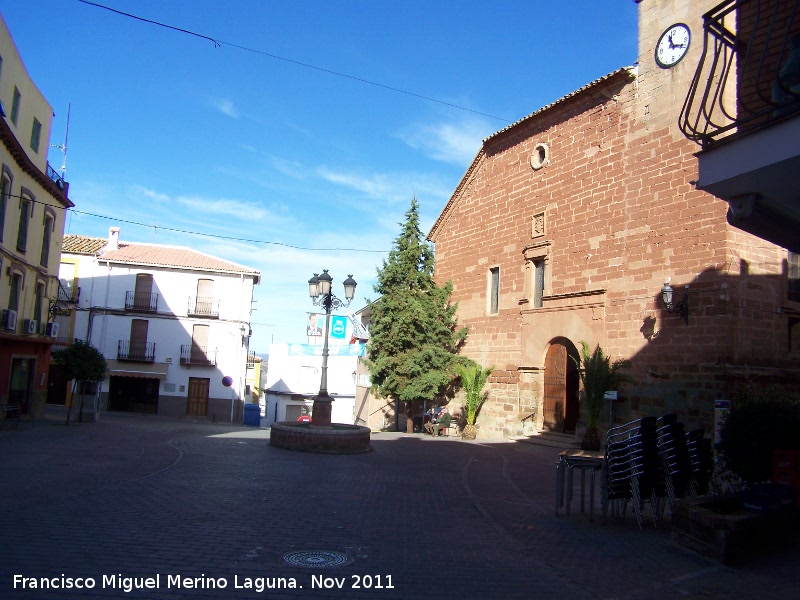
(414, 333)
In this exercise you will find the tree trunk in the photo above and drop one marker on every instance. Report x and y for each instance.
(591, 439)
(71, 400)
(469, 433)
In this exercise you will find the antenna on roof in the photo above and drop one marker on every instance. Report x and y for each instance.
(155, 229)
(63, 147)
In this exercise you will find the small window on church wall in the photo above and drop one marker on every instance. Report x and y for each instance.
(494, 290)
(794, 335)
(538, 283)
(793, 282)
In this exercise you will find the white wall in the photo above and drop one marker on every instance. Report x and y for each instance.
(103, 290)
(300, 375)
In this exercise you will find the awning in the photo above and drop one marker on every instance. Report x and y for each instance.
(145, 370)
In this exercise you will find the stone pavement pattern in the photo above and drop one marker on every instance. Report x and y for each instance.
(434, 518)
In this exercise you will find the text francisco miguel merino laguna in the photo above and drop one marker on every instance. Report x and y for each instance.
(160, 581)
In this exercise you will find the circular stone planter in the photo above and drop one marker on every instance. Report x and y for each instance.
(335, 439)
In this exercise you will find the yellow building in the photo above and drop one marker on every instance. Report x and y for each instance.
(33, 202)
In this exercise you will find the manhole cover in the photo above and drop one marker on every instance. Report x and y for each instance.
(317, 559)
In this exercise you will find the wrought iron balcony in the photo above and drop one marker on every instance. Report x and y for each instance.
(192, 354)
(57, 179)
(68, 292)
(136, 351)
(749, 74)
(141, 302)
(203, 306)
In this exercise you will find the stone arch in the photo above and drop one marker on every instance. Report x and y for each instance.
(560, 407)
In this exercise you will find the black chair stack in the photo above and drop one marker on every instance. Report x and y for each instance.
(632, 471)
(701, 456)
(676, 466)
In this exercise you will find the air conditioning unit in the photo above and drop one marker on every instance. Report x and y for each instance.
(29, 326)
(9, 318)
(51, 329)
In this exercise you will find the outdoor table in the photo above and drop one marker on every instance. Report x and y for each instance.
(585, 460)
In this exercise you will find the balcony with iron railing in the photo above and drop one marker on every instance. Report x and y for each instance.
(203, 306)
(192, 354)
(57, 179)
(136, 351)
(748, 76)
(68, 292)
(743, 108)
(141, 301)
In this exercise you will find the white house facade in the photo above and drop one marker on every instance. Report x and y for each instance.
(294, 376)
(172, 323)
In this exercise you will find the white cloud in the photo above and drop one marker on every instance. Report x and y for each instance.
(392, 188)
(226, 107)
(224, 207)
(151, 194)
(454, 143)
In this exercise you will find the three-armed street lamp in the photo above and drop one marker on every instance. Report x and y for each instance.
(319, 288)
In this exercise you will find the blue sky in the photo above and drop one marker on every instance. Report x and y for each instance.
(316, 169)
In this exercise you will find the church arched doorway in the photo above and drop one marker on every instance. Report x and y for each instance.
(560, 403)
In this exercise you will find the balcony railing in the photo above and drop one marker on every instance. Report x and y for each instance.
(743, 81)
(141, 302)
(137, 351)
(56, 178)
(192, 354)
(68, 292)
(203, 307)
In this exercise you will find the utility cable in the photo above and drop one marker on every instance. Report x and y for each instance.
(218, 43)
(198, 233)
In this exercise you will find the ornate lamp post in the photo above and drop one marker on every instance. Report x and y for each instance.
(319, 288)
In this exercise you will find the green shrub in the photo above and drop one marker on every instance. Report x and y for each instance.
(760, 422)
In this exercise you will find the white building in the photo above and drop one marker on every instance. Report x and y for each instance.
(172, 323)
(294, 375)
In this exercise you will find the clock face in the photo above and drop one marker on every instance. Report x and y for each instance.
(672, 45)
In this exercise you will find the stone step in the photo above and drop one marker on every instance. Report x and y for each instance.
(552, 439)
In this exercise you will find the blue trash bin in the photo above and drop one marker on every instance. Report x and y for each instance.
(252, 415)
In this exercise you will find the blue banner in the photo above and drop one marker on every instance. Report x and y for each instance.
(334, 350)
(338, 327)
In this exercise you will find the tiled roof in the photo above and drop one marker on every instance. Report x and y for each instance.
(154, 255)
(82, 244)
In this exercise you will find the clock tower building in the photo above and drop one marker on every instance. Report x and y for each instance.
(662, 88)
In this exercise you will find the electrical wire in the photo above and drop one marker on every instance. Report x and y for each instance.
(197, 233)
(218, 43)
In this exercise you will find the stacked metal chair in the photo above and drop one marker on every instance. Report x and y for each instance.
(676, 465)
(701, 457)
(632, 471)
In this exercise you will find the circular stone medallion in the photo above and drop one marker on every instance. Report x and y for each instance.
(317, 559)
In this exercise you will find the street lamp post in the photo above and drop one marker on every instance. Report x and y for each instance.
(319, 288)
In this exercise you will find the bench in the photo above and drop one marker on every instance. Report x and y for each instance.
(9, 412)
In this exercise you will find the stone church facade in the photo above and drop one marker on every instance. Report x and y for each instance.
(567, 225)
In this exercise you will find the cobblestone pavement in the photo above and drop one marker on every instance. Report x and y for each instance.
(198, 506)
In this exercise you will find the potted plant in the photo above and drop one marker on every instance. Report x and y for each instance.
(741, 514)
(473, 378)
(598, 375)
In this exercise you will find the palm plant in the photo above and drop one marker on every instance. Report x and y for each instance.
(473, 378)
(598, 374)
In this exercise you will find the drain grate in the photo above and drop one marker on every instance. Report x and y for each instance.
(317, 559)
